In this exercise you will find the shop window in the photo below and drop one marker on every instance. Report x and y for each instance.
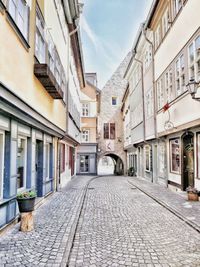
(21, 162)
(62, 158)
(175, 155)
(19, 11)
(161, 159)
(85, 136)
(2, 144)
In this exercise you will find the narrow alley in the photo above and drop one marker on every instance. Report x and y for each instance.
(104, 221)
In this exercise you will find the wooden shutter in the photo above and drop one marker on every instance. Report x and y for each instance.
(112, 130)
(106, 130)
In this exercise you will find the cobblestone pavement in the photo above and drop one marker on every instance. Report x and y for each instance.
(121, 226)
(54, 220)
(190, 210)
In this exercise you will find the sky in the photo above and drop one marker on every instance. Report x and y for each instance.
(108, 30)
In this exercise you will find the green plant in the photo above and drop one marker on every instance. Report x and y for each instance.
(25, 195)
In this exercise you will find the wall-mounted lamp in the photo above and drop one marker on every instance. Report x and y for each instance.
(192, 87)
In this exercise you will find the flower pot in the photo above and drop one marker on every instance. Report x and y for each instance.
(193, 196)
(26, 204)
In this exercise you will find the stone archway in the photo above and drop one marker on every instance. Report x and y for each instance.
(118, 165)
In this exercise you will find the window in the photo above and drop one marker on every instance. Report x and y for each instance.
(21, 162)
(148, 56)
(175, 155)
(114, 101)
(2, 142)
(160, 94)
(149, 103)
(40, 44)
(157, 36)
(165, 22)
(109, 130)
(168, 85)
(180, 75)
(112, 130)
(177, 5)
(47, 161)
(19, 11)
(62, 158)
(148, 158)
(85, 109)
(194, 59)
(85, 135)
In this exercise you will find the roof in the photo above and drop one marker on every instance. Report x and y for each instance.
(151, 13)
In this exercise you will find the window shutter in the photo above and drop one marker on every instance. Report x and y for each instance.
(106, 130)
(112, 130)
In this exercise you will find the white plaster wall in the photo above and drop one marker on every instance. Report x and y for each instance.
(182, 30)
(183, 111)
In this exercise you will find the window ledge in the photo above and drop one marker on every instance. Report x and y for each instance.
(17, 30)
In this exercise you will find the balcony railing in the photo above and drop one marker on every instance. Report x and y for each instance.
(48, 67)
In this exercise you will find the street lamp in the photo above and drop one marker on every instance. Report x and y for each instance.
(192, 88)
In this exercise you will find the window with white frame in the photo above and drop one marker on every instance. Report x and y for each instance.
(194, 59)
(177, 5)
(175, 155)
(165, 22)
(180, 75)
(40, 44)
(149, 103)
(148, 158)
(168, 85)
(2, 145)
(19, 11)
(21, 162)
(147, 56)
(85, 136)
(160, 94)
(85, 109)
(157, 36)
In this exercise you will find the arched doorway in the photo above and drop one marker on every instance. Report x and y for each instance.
(110, 164)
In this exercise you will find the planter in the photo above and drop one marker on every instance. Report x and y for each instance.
(26, 204)
(193, 196)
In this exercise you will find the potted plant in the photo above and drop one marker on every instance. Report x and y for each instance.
(26, 201)
(193, 193)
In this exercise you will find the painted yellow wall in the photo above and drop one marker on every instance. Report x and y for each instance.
(90, 123)
(16, 71)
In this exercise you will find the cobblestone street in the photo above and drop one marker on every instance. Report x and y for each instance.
(121, 226)
(118, 226)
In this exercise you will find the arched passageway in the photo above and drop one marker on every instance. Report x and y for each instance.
(110, 164)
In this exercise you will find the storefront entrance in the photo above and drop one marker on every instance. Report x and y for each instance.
(84, 163)
(188, 160)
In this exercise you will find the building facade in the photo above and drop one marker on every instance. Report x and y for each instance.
(110, 125)
(177, 113)
(165, 58)
(33, 98)
(87, 150)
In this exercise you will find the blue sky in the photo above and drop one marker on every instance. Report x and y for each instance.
(108, 30)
